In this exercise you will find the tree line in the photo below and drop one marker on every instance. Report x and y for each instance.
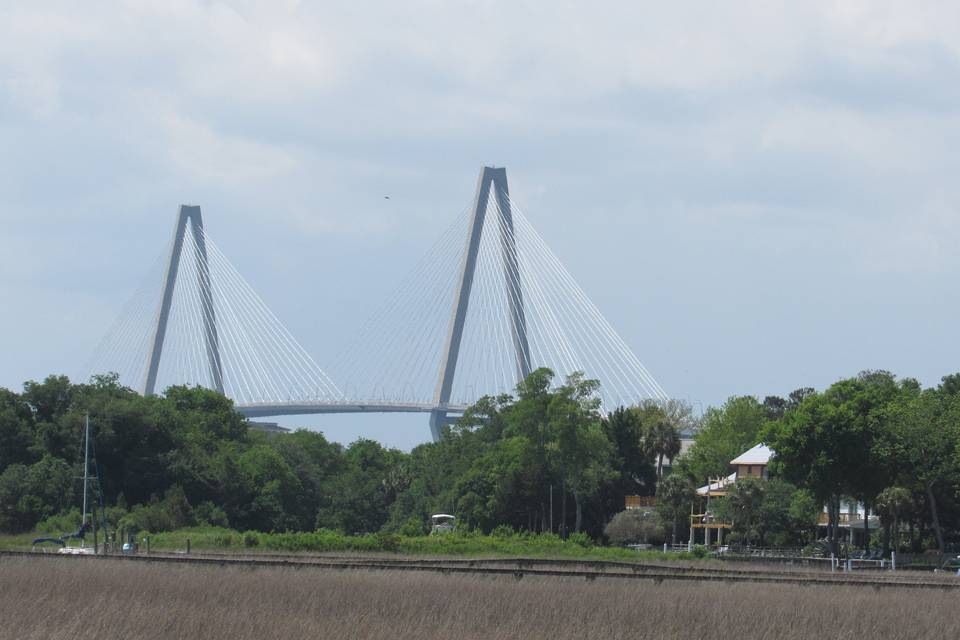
(542, 459)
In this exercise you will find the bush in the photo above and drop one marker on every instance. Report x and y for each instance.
(502, 531)
(388, 541)
(699, 551)
(223, 540)
(207, 513)
(412, 527)
(250, 539)
(64, 522)
(635, 526)
(173, 512)
(581, 539)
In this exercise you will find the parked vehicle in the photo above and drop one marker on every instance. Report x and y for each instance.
(443, 523)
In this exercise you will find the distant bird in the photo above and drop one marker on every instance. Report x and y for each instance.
(386, 197)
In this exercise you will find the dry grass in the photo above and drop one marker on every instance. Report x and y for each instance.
(53, 598)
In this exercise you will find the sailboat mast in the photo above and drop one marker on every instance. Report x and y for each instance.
(86, 465)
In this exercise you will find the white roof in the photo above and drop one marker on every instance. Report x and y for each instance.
(760, 454)
(442, 515)
(719, 485)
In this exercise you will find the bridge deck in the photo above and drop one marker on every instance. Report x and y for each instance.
(263, 410)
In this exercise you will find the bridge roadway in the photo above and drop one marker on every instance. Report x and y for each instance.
(299, 408)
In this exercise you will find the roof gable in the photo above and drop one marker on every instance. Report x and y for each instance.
(760, 454)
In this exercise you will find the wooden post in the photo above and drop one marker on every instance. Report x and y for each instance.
(93, 521)
(188, 546)
(551, 508)
(146, 542)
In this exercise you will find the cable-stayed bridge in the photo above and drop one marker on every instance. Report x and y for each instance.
(488, 304)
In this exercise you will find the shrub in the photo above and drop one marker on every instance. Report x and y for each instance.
(387, 541)
(207, 513)
(581, 539)
(412, 527)
(173, 512)
(64, 522)
(223, 540)
(250, 539)
(635, 526)
(502, 531)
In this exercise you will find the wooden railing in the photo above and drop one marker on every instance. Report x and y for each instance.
(640, 502)
(845, 518)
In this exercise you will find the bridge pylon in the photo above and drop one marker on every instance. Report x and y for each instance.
(187, 215)
(495, 177)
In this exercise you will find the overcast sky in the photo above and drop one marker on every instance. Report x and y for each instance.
(758, 196)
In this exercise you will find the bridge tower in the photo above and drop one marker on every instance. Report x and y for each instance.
(187, 215)
(496, 178)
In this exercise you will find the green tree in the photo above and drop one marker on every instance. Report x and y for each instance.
(804, 511)
(30, 493)
(923, 440)
(724, 434)
(16, 430)
(828, 444)
(633, 474)
(314, 461)
(892, 504)
(272, 487)
(662, 439)
(355, 500)
(49, 399)
(746, 507)
(674, 495)
(582, 449)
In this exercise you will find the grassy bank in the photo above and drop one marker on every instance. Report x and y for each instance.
(456, 544)
(325, 541)
(19, 541)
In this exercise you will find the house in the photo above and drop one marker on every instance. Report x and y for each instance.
(752, 463)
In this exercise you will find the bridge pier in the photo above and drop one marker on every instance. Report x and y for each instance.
(188, 214)
(439, 418)
(497, 178)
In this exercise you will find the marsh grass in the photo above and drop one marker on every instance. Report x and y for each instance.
(54, 598)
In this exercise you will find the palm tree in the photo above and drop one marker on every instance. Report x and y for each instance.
(892, 503)
(662, 440)
(746, 501)
(673, 496)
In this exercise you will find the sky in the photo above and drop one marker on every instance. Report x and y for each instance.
(759, 196)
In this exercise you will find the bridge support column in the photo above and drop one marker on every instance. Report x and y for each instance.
(438, 420)
(497, 177)
(191, 215)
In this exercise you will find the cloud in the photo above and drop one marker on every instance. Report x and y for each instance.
(701, 146)
(201, 154)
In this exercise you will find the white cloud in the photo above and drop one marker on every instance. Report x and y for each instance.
(202, 155)
(820, 133)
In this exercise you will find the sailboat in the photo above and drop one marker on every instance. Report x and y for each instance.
(85, 525)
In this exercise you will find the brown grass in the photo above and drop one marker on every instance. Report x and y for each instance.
(54, 598)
